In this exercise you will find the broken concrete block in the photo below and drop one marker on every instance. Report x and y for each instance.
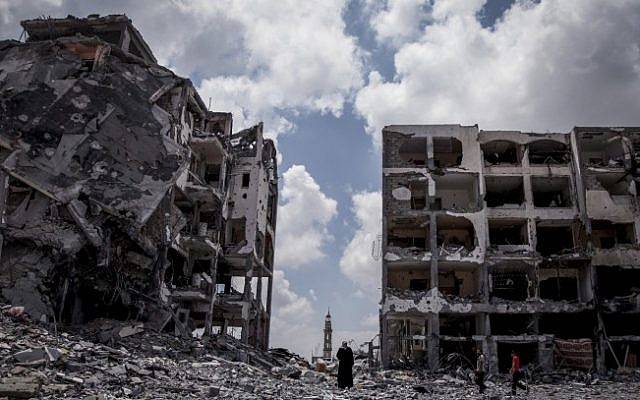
(131, 330)
(19, 389)
(38, 356)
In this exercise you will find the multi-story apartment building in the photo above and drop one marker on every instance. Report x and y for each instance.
(506, 240)
(124, 196)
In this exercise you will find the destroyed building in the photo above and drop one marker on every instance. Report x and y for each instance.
(504, 240)
(123, 196)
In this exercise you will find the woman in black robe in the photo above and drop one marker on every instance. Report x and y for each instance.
(345, 358)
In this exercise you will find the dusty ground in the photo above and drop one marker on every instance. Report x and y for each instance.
(36, 363)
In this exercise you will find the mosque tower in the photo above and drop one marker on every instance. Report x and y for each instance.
(326, 349)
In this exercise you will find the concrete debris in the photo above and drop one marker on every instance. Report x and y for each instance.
(156, 366)
(122, 196)
(510, 241)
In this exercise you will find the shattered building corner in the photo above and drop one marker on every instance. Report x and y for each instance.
(122, 195)
(504, 240)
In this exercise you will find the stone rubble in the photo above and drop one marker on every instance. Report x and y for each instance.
(37, 363)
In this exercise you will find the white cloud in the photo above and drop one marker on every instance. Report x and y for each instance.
(299, 59)
(312, 294)
(302, 219)
(292, 320)
(371, 320)
(398, 21)
(546, 66)
(287, 303)
(357, 261)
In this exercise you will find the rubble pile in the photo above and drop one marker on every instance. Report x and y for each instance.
(136, 363)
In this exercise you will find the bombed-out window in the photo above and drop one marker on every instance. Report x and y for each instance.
(551, 192)
(447, 152)
(246, 178)
(414, 151)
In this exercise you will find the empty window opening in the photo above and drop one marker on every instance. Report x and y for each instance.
(548, 152)
(238, 226)
(568, 325)
(607, 235)
(235, 332)
(508, 232)
(246, 178)
(457, 325)
(408, 236)
(456, 354)
(614, 183)
(602, 149)
(212, 174)
(455, 234)
(554, 240)
(458, 281)
(621, 324)
(212, 219)
(627, 353)
(413, 151)
(201, 266)
(510, 284)
(618, 282)
(501, 152)
(512, 324)
(456, 192)
(551, 192)
(406, 341)
(416, 279)
(237, 284)
(418, 194)
(527, 352)
(447, 152)
(558, 284)
(175, 272)
(419, 284)
(504, 191)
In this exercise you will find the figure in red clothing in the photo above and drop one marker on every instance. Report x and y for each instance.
(516, 374)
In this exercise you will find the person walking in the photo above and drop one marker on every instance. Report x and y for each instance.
(516, 373)
(345, 365)
(480, 371)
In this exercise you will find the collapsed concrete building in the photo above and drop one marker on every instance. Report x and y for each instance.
(122, 195)
(506, 240)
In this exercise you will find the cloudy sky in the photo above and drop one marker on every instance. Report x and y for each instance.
(325, 76)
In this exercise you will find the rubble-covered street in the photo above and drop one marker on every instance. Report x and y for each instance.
(111, 360)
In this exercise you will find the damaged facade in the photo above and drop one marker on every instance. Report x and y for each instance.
(123, 197)
(506, 240)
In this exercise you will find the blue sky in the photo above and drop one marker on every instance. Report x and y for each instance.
(325, 77)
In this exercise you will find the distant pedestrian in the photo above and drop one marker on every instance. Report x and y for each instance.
(516, 373)
(480, 371)
(345, 374)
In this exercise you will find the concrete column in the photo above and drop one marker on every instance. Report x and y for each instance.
(244, 337)
(213, 271)
(433, 341)
(268, 324)
(433, 244)
(247, 279)
(259, 286)
(429, 150)
(484, 282)
(490, 349)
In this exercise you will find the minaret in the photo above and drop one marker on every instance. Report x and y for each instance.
(326, 349)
